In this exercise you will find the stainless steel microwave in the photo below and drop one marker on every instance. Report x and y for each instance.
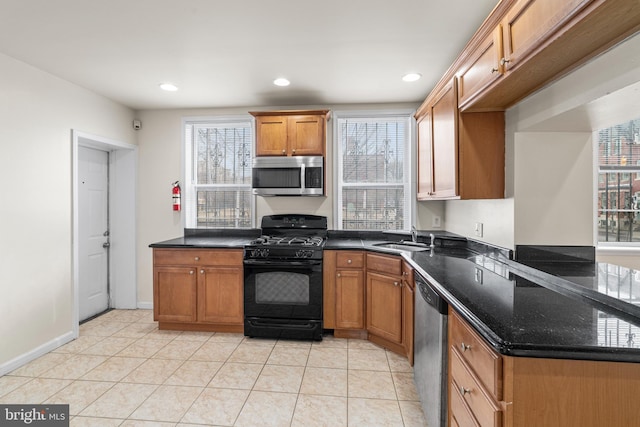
(288, 176)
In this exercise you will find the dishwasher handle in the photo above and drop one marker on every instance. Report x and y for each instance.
(430, 296)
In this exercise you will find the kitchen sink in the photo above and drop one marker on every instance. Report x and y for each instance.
(404, 246)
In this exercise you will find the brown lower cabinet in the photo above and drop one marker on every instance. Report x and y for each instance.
(488, 389)
(344, 293)
(198, 289)
(369, 296)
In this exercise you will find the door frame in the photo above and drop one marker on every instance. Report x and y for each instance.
(123, 161)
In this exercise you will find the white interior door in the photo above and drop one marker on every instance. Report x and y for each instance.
(93, 231)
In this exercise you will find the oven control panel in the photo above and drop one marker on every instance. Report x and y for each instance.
(280, 253)
(304, 253)
(257, 253)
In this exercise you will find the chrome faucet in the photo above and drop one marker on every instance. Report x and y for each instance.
(414, 234)
(433, 240)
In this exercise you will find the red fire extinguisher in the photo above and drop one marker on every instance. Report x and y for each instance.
(175, 194)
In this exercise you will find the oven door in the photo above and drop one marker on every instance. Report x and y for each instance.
(283, 299)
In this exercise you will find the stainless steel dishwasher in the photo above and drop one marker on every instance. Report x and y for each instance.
(430, 352)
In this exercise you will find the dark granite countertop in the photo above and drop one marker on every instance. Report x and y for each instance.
(558, 307)
(213, 238)
(524, 314)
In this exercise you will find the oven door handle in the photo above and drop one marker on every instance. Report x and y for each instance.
(281, 264)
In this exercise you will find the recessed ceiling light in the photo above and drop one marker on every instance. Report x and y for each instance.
(281, 82)
(411, 77)
(168, 87)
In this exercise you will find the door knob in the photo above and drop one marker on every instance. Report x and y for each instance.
(106, 245)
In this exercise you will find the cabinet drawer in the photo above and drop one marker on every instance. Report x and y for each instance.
(484, 362)
(197, 257)
(460, 415)
(384, 264)
(349, 259)
(486, 412)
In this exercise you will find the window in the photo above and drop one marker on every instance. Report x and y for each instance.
(619, 183)
(374, 171)
(218, 173)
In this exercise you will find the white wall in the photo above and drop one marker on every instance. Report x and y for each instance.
(37, 113)
(496, 217)
(553, 188)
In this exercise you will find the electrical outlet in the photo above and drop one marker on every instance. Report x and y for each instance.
(435, 222)
(478, 276)
(478, 229)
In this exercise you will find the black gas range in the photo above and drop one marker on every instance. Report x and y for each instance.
(283, 278)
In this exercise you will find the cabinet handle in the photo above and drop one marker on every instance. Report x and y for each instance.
(284, 151)
(201, 271)
(464, 347)
(494, 70)
(504, 61)
(191, 272)
(197, 258)
(293, 151)
(464, 391)
(349, 261)
(395, 283)
(339, 275)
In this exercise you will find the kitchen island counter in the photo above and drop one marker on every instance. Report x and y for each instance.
(522, 311)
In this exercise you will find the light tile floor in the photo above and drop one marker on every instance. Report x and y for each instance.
(123, 371)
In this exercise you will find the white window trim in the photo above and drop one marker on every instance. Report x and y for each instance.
(187, 181)
(606, 248)
(409, 155)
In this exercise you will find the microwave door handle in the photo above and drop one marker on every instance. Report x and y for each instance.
(303, 177)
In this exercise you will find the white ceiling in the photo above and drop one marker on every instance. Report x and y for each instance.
(227, 53)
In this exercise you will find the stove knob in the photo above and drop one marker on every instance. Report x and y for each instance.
(259, 253)
(304, 253)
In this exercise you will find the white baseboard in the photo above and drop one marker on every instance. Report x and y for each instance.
(145, 305)
(45, 348)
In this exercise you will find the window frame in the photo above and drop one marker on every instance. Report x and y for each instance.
(189, 187)
(632, 171)
(409, 184)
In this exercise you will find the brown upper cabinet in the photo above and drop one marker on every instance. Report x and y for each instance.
(520, 47)
(460, 156)
(525, 44)
(437, 146)
(482, 68)
(291, 133)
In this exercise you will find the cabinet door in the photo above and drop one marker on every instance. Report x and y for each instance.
(220, 295)
(482, 69)
(445, 142)
(306, 135)
(271, 136)
(384, 306)
(174, 294)
(530, 22)
(425, 158)
(350, 299)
